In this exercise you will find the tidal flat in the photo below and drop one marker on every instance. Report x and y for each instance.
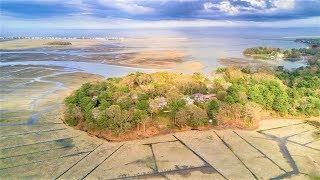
(27, 91)
(127, 53)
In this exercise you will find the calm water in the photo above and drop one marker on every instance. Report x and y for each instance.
(206, 45)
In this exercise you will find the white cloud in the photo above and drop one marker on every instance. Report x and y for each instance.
(256, 7)
(128, 6)
(227, 7)
(257, 3)
(284, 4)
(208, 5)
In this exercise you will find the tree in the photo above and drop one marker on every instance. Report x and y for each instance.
(175, 106)
(73, 115)
(119, 120)
(125, 102)
(254, 94)
(191, 115)
(281, 102)
(142, 104)
(236, 94)
(212, 108)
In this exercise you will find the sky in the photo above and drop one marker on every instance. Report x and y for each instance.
(91, 14)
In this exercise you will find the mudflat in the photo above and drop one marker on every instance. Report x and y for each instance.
(43, 147)
(22, 44)
(127, 52)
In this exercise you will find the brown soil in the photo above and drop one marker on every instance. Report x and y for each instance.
(150, 129)
(140, 134)
(237, 126)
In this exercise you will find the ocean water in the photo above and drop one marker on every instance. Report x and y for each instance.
(206, 45)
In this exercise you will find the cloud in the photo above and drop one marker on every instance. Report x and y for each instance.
(162, 10)
(85, 22)
(257, 3)
(244, 7)
(283, 4)
(128, 6)
(227, 7)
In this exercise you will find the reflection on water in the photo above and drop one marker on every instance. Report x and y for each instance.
(206, 45)
(105, 70)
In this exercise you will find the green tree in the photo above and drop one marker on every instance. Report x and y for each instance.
(212, 109)
(118, 120)
(175, 106)
(125, 102)
(281, 102)
(142, 104)
(191, 115)
(235, 94)
(73, 115)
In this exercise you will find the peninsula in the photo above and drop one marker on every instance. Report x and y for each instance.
(141, 105)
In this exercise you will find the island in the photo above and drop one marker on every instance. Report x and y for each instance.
(269, 53)
(311, 42)
(141, 105)
(59, 43)
(263, 53)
